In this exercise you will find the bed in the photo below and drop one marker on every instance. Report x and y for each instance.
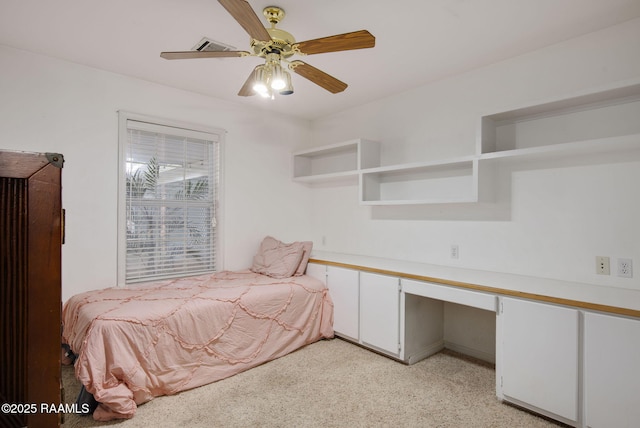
(143, 341)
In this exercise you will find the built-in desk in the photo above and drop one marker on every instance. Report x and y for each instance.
(563, 349)
(619, 301)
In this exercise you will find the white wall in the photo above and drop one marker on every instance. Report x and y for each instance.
(547, 222)
(54, 106)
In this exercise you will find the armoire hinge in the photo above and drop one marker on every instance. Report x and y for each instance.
(55, 159)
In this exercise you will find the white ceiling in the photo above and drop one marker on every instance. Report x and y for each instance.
(417, 41)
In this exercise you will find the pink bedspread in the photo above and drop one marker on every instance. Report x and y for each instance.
(141, 342)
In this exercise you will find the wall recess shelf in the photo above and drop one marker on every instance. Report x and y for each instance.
(335, 161)
(598, 122)
(454, 180)
(596, 126)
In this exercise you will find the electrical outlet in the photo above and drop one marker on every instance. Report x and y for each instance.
(454, 251)
(602, 265)
(625, 268)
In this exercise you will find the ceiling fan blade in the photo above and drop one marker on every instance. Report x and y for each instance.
(247, 88)
(318, 77)
(341, 42)
(202, 54)
(247, 18)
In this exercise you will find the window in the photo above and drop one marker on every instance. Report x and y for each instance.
(168, 199)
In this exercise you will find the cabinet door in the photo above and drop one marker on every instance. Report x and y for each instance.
(540, 357)
(611, 371)
(380, 312)
(317, 271)
(343, 288)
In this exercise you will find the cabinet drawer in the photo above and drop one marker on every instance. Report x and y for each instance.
(446, 293)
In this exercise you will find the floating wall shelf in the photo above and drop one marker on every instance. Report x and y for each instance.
(588, 126)
(336, 161)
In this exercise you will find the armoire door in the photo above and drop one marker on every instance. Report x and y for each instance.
(30, 285)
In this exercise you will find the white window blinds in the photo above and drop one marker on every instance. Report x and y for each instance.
(170, 183)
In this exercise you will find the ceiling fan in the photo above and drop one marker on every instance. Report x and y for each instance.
(277, 46)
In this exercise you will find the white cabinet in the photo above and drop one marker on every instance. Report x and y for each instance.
(380, 312)
(543, 365)
(539, 357)
(367, 308)
(611, 371)
(343, 287)
(317, 271)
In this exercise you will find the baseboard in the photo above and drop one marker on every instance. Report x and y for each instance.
(434, 348)
(475, 353)
(540, 412)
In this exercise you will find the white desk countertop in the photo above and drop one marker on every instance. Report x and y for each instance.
(509, 283)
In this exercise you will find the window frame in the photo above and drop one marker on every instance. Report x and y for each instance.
(217, 135)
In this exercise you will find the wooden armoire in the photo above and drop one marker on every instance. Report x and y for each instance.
(31, 228)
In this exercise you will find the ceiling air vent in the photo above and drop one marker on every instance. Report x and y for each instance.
(208, 45)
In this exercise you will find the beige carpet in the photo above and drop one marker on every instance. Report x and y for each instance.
(334, 383)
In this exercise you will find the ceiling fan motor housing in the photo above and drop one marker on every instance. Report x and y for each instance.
(281, 41)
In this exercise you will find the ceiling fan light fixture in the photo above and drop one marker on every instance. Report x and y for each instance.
(271, 78)
(288, 88)
(260, 88)
(260, 81)
(277, 79)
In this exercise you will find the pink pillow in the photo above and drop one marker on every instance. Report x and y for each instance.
(277, 259)
(302, 267)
